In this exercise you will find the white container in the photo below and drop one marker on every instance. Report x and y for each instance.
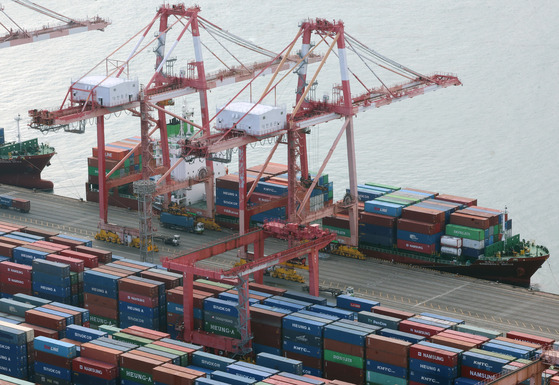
(451, 250)
(261, 120)
(108, 92)
(470, 243)
(447, 240)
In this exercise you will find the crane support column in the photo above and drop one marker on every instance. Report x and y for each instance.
(188, 307)
(258, 254)
(103, 193)
(244, 315)
(313, 272)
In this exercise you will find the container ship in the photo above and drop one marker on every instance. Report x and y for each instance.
(21, 163)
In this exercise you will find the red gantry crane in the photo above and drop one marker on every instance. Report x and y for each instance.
(20, 36)
(88, 98)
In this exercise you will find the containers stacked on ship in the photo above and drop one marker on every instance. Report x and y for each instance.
(133, 311)
(431, 363)
(344, 350)
(16, 359)
(53, 360)
(51, 280)
(387, 360)
(15, 278)
(377, 222)
(121, 196)
(420, 229)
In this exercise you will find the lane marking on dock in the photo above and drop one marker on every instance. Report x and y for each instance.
(443, 294)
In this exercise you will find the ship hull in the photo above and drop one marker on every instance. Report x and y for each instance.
(514, 271)
(25, 171)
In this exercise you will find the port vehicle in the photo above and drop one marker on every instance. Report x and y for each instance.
(22, 205)
(173, 240)
(181, 222)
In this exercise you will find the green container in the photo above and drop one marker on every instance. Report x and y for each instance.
(183, 355)
(465, 232)
(496, 230)
(404, 197)
(134, 375)
(478, 331)
(125, 337)
(374, 378)
(344, 359)
(398, 201)
(222, 330)
(218, 284)
(339, 231)
(96, 320)
(110, 329)
(493, 354)
(372, 184)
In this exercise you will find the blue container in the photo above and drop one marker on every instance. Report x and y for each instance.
(83, 334)
(380, 320)
(207, 381)
(498, 348)
(379, 240)
(272, 308)
(303, 326)
(322, 316)
(86, 242)
(429, 322)
(306, 350)
(312, 371)
(175, 308)
(409, 337)
(384, 231)
(53, 371)
(227, 193)
(85, 312)
(280, 363)
(14, 370)
(88, 379)
(283, 304)
(217, 305)
(6, 200)
(128, 319)
(57, 292)
(383, 208)
(442, 317)
(429, 378)
(243, 371)
(227, 201)
(271, 188)
(466, 381)
(52, 346)
(69, 317)
(484, 362)
(384, 368)
(139, 310)
(34, 238)
(297, 336)
(530, 351)
(305, 297)
(442, 347)
(341, 313)
(261, 368)
(51, 279)
(98, 283)
(471, 252)
(364, 195)
(418, 237)
(235, 298)
(265, 349)
(26, 298)
(349, 336)
(435, 369)
(211, 361)
(13, 348)
(306, 304)
(356, 325)
(357, 304)
(301, 378)
(232, 379)
(221, 319)
(22, 252)
(13, 307)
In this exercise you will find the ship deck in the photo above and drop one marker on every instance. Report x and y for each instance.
(482, 303)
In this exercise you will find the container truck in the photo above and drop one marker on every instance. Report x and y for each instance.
(181, 222)
(22, 205)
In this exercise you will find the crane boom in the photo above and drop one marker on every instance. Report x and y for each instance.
(70, 27)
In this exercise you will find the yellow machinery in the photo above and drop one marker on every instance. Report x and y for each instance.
(108, 236)
(348, 251)
(136, 243)
(286, 273)
(209, 224)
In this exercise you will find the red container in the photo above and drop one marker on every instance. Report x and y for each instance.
(100, 353)
(267, 335)
(130, 264)
(266, 288)
(340, 221)
(337, 371)
(454, 342)
(376, 219)
(40, 232)
(422, 214)
(418, 328)
(461, 219)
(15, 270)
(113, 153)
(170, 282)
(104, 256)
(473, 337)
(95, 368)
(168, 375)
(99, 300)
(493, 218)
(40, 331)
(343, 347)
(392, 312)
(145, 333)
(134, 361)
(14, 242)
(224, 210)
(53, 359)
(542, 341)
(266, 317)
(67, 242)
(142, 288)
(530, 345)
(417, 247)
(477, 374)
(231, 182)
(436, 356)
(6, 249)
(11, 289)
(176, 347)
(150, 356)
(89, 260)
(76, 265)
(138, 299)
(76, 314)
(55, 247)
(419, 227)
(456, 199)
(49, 321)
(208, 287)
(21, 283)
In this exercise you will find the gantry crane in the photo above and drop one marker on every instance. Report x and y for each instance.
(71, 26)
